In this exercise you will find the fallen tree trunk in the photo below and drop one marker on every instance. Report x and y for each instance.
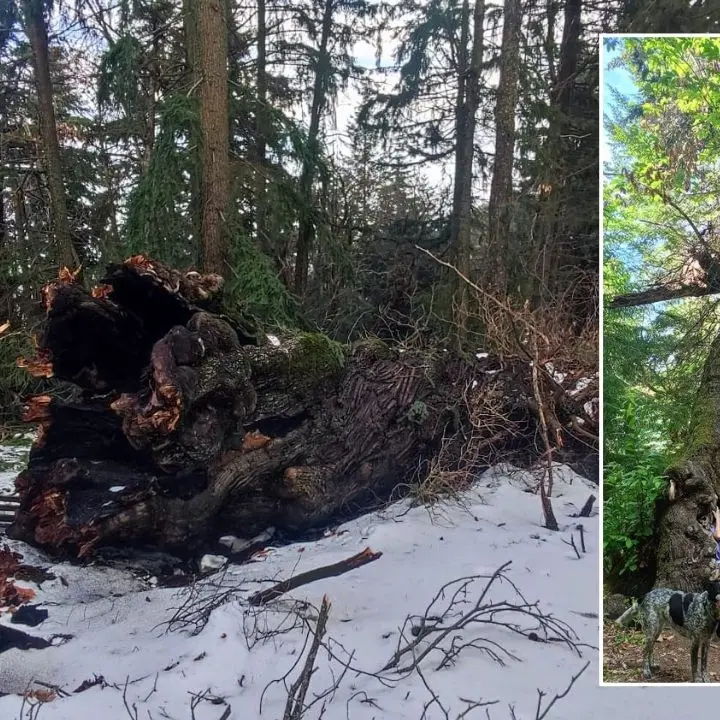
(186, 426)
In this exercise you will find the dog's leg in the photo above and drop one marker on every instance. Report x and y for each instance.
(651, 637)
(704, 649)
(694, 659)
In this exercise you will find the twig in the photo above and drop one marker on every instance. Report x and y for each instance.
(581, 530)
(356, 561)
(481, 612)
(550, 521)
(574, 547)
(474, 705)
(587, 507)
(294, 707)
(132, 713)
(558, 696)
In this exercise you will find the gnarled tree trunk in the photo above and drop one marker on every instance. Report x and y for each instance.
(685, 549)
(186, 427)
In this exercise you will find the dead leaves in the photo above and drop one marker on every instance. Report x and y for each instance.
(40, 694)
(40, 366)
(11, 595)
(254, 440)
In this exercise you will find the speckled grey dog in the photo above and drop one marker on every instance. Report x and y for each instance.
(693, 615)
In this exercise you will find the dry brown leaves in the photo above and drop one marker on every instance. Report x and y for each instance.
(101, 291)
(40, 366)
(37, 409)
(11, 596)
(254, 441)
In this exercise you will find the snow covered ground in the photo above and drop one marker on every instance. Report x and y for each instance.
(233, 668)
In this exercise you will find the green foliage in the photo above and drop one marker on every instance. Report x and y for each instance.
(318, 356)
(15, 382)
(418, 412)
(254, 288)
(159, 222)
(119, 76)
(631, 484)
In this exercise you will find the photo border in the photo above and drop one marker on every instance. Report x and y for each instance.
(601, 246)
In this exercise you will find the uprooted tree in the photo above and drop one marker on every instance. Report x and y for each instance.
(186, 424)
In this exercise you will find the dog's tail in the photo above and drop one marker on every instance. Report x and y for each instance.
(627, 617)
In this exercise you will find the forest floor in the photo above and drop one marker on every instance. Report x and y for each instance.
(622, 657)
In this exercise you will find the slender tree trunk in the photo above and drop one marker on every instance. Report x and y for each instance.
(260, 144)
(468, 97)
(554, 253)
(215, 129)
(20, 217)
(36, 30)
(153, 87)
(3, 218)
(111, 251)
(569, 54)
(501, 186)
(307, 228)
(192, 62)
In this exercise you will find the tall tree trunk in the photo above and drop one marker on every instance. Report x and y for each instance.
(192, 69)
(154, 84)
(307, 226)
(468, 96)
(36, 30)
(552, 229)
(501, 186)
(3, 220)
(214, 122)
(569, 54)
(260, 120)
(20, 218)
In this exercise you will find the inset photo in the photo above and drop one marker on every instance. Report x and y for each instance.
(660, 146)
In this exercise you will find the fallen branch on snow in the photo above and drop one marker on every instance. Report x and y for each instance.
(356, 561)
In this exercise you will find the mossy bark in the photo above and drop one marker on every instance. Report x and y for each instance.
(184, 429)
(685, 549)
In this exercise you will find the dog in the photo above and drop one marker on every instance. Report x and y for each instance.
(692, 615)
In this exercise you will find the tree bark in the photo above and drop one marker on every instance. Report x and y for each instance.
(214, 122)
(192, 62)
(661, 293)
(468, 97)
(506, 103)
(36, 30)
(307, 177)
(260, 144)
(185, 428)
(684, 551)
(553, 250)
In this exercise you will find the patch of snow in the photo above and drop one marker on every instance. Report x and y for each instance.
(7, 482)
(212, 562)
(13, 459)
(559, 377)
(591, 407)
(273, 340)
(236, 545)
(117, 488)
(580, 385)
(482, 355)
(119, 623)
